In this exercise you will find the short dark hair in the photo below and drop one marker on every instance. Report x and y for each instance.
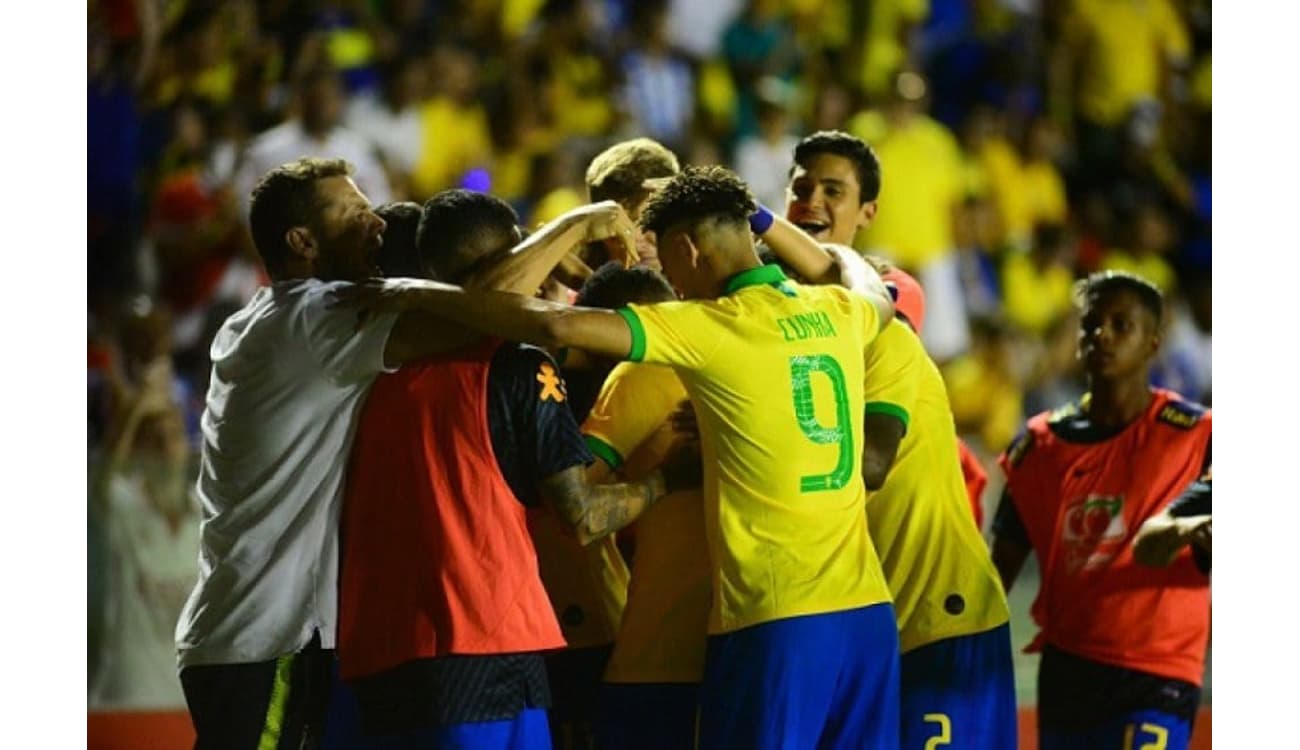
(617, 173)
(399, 257)
(612, 286)
(697, 194)
(856, 150)
(460, 229)
(286, 198)
(1110, 282)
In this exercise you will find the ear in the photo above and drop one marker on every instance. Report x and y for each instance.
(866, 214)
(693, 254)
(303, 243)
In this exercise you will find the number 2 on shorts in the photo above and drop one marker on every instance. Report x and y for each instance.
(945, 731)
(802, 369)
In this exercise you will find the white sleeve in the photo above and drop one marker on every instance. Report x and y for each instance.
(348, 354)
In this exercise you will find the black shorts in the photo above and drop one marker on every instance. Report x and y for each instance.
(1075, 693)
(280, 703)
(575, 675)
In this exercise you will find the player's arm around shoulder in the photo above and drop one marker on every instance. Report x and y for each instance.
(429, 306)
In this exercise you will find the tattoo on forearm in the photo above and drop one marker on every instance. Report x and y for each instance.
(595, 511)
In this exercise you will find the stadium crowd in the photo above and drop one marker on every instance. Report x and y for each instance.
(1023, 145)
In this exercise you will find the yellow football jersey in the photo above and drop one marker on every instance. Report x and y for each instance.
(773, 369)
(663, 634)
(587, 585)
(939, 570)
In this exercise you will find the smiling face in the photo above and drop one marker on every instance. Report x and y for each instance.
(1118, 335)
(824, 199)
(347, 233)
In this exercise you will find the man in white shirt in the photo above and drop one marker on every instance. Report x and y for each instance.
(289, 375)
(315, 131)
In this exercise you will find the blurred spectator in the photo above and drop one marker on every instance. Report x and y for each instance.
(196, 230)
(113, 135)
(350, 34)
(763, 160)
(758, 46)
(659, 92)
(976, 229)
(985, 394)
(1115, 59)
(1150, 237)
(576, 75)
(696, 28)
(454, 131)
(142, 495)
(1038, 285)
(921, 190)
(886, 47)
(1184, 362)
(390, 118)
(315, 130)
(1042, 180)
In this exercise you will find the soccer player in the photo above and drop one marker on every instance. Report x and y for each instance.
(803, 646)
(650, 696)
(834, 184)
(953, 620)
(289, 374)
(443, 614)
(1123, 645)
(619, 174)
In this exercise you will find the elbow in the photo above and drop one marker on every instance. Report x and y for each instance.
(554, 331)
(874, 476)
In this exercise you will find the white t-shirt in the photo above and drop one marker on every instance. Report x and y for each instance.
(288, 379)
(151, 570)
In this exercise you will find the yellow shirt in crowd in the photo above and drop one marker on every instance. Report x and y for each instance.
(1033, 300)
(923, 182)
(1126, 43)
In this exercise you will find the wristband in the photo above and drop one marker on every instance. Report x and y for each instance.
(761, 220)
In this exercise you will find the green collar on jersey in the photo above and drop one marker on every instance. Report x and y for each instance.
(771, 275)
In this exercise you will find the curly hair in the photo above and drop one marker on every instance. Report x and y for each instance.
(698, 194)
(1109, 282)
(856, 150)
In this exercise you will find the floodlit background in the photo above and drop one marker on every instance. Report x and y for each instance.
(1023, 144)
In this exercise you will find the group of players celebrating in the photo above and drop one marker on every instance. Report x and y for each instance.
(743, 523)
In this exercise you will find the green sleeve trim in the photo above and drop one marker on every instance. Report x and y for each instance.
(604, 451)
(893, 410)
(638, 333)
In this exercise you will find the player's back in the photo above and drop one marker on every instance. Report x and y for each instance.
(939, 570)
(772, 368)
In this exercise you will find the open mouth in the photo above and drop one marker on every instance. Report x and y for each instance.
(813, 227)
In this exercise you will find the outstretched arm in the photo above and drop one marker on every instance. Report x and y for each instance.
(530, 262)
(509, 316)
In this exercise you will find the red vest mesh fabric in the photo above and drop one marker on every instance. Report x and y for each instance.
(1082, 504)
(436, 556)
